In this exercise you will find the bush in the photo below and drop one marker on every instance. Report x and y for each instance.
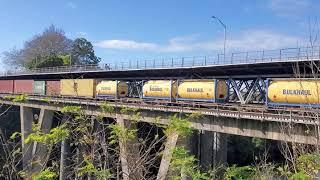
(239, 173)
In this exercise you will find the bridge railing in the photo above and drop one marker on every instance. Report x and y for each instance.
(288, 54)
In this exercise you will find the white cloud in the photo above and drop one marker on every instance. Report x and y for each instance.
(125, 44)
(248, 40)
(263, 39)
(289, 7)
(71, 5)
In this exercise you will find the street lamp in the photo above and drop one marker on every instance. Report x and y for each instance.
(225, 35)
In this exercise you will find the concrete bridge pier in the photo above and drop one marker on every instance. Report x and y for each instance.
(173, 141)
(34, 154)
(132, 166)
(170, 144)
(40, 151)
(26, 120)
(64, 155)
(213, 149)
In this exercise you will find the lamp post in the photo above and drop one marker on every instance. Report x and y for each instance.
(225, 35)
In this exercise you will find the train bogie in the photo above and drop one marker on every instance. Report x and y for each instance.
(293, 92)
(160, 89)
(114, 89)
(203, 90)
(78, 87)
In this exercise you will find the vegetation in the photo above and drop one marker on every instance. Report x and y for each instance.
(82, 52)
(97, 148)
(51, 48)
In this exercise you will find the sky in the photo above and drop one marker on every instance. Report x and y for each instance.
(141, 29)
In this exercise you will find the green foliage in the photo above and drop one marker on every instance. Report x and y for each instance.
(20, 98)
(46, 99)
(135, 115)
(195, 116)
(184, 163)
(44, 61)
(258, 143)
(106, 108)
(127, 110)
(72, 109)
(265, 171)
(15, 135)
(83, 53)
(300, 176)
(66, 59)
(122, 134)
(284, 171)
(90, 169)
(309, 164)
(8, 98)
(46, 174)
(56, 135)
(178, 125)
(239, 173)
(42, 50)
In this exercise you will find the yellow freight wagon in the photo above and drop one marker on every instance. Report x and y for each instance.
(293, 91)
(78, 87)
(203, 90)
(112, 89)
(160, 89)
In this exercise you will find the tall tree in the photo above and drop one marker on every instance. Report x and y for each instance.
(83, 53)
(42, 48)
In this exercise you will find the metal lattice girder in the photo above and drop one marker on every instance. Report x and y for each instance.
(247, 90)
(135, 88)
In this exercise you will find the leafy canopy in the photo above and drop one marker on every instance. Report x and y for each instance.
(51, 48)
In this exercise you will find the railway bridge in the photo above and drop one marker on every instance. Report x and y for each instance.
(245, 114)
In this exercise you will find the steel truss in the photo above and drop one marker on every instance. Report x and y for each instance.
(247, 91)
(135, 88)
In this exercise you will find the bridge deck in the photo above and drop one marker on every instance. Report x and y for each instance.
(274, 63)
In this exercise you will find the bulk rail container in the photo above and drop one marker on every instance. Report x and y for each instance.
(203, 90)
(293, 92)
(39, 87)
(112, 89)
(160, 89)
(6, 86)
(53, 88)
(78, 87)
(23, 86)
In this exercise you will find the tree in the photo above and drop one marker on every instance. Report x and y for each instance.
(45, 61)
(83, 53)
(41, 49)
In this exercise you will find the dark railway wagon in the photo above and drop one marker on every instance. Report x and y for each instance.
(23, 86)
(6, 86)
(53, 88)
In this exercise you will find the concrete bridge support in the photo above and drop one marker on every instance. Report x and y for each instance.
(132, 166)
(210, 148)
(65, 152)
(170, 144)
(213, 149)
(40, 151)
(34, 154)
(26, 120)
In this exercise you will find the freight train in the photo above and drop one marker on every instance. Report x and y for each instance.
(279, 92)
